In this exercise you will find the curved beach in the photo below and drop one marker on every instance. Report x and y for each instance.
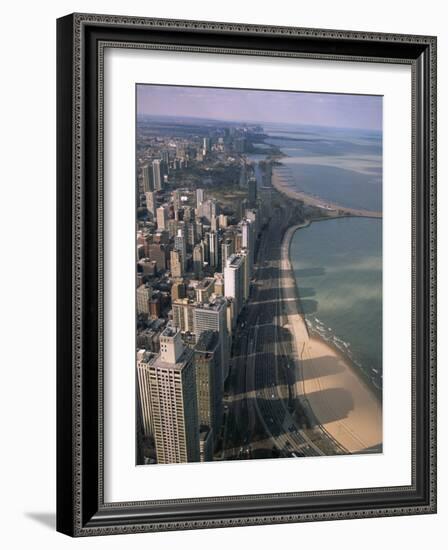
(327, 383)
(331, 208)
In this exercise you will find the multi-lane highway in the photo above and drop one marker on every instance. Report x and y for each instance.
(260, 403)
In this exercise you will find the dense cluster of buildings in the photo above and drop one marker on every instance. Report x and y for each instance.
(195, 261)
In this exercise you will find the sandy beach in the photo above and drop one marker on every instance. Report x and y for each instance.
(332, 209)
(327, 382)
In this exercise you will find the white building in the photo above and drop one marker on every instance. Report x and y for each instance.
(234, 279)
(168, 400)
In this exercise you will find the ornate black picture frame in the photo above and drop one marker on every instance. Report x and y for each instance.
(81, 509)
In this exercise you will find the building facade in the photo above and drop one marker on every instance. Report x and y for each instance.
(168, 385)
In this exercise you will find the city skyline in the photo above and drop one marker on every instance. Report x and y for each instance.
(232, 361)
(342, 111)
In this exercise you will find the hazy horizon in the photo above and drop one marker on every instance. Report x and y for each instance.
(344, 111)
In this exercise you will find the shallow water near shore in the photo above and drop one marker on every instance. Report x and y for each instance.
(339, 165)
(338, 268)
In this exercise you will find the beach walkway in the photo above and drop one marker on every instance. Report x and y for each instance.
(326, 382)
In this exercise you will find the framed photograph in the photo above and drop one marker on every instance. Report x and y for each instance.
(246, 274)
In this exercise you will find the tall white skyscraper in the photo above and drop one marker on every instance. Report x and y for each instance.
(234, 280)
(167, 389)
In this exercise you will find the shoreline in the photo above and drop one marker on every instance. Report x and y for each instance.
(331, 208)
(336, 391)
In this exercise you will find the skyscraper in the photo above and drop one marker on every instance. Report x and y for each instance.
(144, 359)
(222, 220)
(213, 249)
(180, 244)
(206, 145)
(162, 218)
(248, 241)
(158, 174)
(147, 178)
(144, 295)
(176, 264)
(172, 399)
(234, 280)
(227, 249)
(209, 386)
(212, 316)
(176, 199)
(252, 192)
(198, 259)
(190, 233)
(199, 197)
(207, 209)
(151, 203)
(214, 223)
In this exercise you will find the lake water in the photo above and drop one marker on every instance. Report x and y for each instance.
(338, 269)
(339, 165)
(338, 263)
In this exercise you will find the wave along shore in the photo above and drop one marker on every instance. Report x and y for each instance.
(336, 394)
(280, 183)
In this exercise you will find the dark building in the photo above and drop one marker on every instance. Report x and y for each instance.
(207, 359)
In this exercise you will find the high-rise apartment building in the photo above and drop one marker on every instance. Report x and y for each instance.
(158, 173)
(248, 241)
(209, 384)
(252, 192)
(162, 218)
(176, 264)
(151, 203)
(147, 179)
(227, 249)
(212, 316)
(213, 249)
(169, 386)
(144, 359)
(180, 244)
(222, 220)
(206, 145)
(199, 197)
(198, 259)
(158, 253)
(143, 295)
(234, 280)
(207, 209)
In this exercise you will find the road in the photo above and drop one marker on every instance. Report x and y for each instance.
(260, 405)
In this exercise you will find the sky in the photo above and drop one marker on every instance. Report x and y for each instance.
(333, 110)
